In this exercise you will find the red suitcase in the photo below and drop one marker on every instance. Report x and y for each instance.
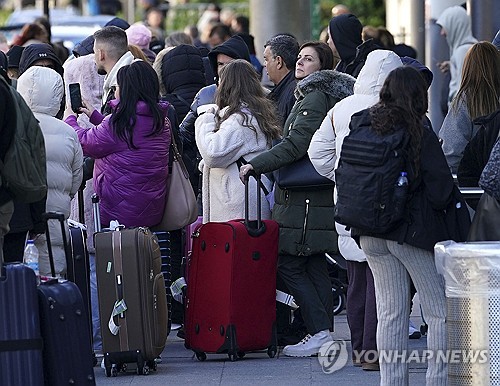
(231, 294)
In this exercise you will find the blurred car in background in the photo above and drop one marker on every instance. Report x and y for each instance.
(67, 25)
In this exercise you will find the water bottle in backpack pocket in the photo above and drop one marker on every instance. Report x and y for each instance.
(371, 189)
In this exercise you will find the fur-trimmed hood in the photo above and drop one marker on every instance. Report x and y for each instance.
(331, 82)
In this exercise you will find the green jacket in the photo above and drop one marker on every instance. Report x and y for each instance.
(305, 216)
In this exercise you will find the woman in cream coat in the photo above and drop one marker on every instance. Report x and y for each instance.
(42, 88)
(242, 123)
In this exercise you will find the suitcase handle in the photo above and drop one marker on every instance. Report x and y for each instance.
(260, 227)
(60, 217)
(95, 212)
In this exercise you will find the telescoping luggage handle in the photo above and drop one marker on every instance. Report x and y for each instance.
(260, 229)
(60, 217)
(95, 211)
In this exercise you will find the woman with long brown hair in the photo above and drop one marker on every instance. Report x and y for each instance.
(478, 96)
(242, 123)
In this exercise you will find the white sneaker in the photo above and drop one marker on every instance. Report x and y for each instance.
(413, 332)
(308, 346)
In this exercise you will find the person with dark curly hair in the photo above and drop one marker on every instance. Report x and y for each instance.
(406, 251)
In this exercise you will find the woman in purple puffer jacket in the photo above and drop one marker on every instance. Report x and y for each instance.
(130, 148)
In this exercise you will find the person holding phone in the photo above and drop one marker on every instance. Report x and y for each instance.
(135, 134)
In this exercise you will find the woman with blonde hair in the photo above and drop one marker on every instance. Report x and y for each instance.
(241, 124)
(478, 96)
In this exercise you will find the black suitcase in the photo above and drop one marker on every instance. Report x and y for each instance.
(20, 339)
(67, 347)
(78, 264)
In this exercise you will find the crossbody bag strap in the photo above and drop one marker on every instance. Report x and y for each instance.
(184, 101)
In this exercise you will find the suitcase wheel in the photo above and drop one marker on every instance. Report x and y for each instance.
(111, 371)
(144, 370)
(271, 351)
(152, 365)
(201, 356)
(241, 354)
(232, 357)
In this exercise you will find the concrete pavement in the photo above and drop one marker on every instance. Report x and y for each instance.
(179, 366)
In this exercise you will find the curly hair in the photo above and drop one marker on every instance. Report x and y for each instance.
(240, 89)
(403, 104)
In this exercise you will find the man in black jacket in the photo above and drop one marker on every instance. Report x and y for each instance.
(280, 55)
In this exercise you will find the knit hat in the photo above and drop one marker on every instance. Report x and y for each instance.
(140, 35)
(117, 22)
(14, 56)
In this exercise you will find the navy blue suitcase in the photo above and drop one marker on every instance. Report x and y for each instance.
(20, 339)
(67, 342)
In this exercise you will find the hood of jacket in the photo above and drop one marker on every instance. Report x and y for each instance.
(35, 52)
(235, 47)
(42, 88)
(378, 65)
(457, 25)
(182, 67)
(424, 70)
(346, 34)
(331, 82)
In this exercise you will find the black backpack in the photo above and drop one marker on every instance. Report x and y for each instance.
(368, 170)
(23, 171)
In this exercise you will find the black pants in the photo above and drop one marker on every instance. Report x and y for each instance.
(13, 247)
(309, 283)
(361, 307)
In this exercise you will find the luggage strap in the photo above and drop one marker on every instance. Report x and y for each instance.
(21, 344)
(287, 299)
(120, 307)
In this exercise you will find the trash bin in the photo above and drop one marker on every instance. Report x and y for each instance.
(472, 281)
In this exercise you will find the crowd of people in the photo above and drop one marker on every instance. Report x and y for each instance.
(205, 86)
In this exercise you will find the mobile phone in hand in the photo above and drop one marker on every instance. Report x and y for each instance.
(75, 97)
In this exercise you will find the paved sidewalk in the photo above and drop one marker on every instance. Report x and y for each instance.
(180, 367)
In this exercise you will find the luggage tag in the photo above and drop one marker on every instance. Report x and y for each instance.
(287, 299)
(176, 288)
(119, 308)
